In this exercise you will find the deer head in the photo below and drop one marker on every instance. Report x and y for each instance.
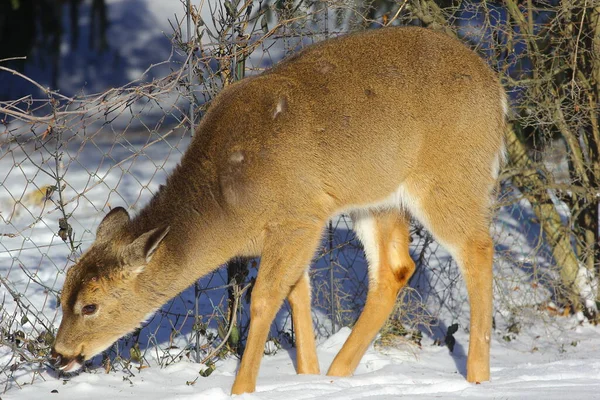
(100, 298)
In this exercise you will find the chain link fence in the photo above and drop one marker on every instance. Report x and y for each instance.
(66, 161)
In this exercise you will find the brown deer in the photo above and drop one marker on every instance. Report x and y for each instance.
(380, 125)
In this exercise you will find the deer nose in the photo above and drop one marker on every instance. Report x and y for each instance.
(65, 363)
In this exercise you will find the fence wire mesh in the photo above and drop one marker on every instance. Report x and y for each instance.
(67, 160)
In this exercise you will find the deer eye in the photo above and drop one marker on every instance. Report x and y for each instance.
(89, 309)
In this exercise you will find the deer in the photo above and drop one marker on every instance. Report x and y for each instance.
(383, 125)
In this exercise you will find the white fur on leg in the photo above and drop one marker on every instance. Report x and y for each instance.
(364, 226)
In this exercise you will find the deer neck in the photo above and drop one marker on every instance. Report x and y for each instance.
(202, 237)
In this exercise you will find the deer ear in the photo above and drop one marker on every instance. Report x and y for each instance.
(139, 253)
(116, 219)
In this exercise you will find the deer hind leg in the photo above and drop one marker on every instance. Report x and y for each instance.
(476, 256)
(306, 350)
(286, 253)
(385, 237)
(458, 217)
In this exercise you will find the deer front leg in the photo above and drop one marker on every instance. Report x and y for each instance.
(306, 349)
(285, 255)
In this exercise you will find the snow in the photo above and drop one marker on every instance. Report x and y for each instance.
(426, 373)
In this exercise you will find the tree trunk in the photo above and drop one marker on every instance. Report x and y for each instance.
(557, 235)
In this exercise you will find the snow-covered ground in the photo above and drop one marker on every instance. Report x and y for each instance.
(426, 373)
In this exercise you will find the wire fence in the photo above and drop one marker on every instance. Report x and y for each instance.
(66, 161)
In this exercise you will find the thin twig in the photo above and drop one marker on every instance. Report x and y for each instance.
(232, 323)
